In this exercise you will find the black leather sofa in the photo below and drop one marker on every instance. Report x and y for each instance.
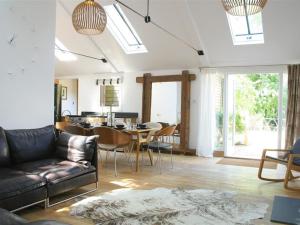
(38, 164)
(8, 218)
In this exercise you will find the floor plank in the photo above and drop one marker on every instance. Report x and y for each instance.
(188, 172)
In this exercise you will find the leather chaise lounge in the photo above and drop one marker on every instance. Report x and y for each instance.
(38, 164)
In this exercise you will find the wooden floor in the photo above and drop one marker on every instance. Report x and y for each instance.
(188, 172)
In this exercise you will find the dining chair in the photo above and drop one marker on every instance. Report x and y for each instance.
(112, 140)
(73, 129)
(290, 158)
(61, 125)
(154, 125)
(159, 143)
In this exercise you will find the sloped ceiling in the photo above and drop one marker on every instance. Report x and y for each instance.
(202, 23)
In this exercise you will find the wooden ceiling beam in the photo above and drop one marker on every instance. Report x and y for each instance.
(166, 78)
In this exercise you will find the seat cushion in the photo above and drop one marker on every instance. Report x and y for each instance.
(76, 148)
(296, 150)
(31, 144)
(56, 170)
(14, 182)
(4, 150)
(158, 146)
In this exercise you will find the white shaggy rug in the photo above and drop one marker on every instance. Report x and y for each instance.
(169, 206)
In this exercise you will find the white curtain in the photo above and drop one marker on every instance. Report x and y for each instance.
(207, 117)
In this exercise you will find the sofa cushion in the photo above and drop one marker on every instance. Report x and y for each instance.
(296, 150)
(14, 182)
(56, 170)
(76, 148)
(31, 144)
(4, 150)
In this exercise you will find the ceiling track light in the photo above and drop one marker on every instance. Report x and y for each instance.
(243, 7)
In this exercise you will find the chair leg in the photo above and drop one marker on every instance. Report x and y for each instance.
(261, 167)
(150, 153)
(172, 158)
(115, 157)
(288, 174)
(102, 162)
(143, 151)
(106, 157)
(159, 155)
(160, 158)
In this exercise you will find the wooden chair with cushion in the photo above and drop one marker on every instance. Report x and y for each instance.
(290, 158)
(112, 140)
(61, 125)
(76, 130)
(154, 125)
(159, 144)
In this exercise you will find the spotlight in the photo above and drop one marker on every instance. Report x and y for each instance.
(200, 52)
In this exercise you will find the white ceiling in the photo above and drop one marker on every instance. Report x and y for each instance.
(202, 23)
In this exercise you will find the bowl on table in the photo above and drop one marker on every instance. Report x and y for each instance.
(141, 126)
(85, 125)
(120, 126)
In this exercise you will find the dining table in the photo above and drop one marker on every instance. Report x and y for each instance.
(139, 139)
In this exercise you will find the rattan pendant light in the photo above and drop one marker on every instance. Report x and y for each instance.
(89, 18)
(243, 7)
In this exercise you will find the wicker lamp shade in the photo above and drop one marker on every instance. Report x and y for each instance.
(89, 18)
(243, 7)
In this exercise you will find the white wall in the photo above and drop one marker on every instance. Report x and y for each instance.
(27, 64)
(88, 95)
(71, 103)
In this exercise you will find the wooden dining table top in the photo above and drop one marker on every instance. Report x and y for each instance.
(131, 131)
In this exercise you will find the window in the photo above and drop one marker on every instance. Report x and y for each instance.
(61, 55)
(246, 30)
(123, 31)
(110, 95)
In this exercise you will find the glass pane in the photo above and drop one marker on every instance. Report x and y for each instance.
(284, 107)
(255, 23)
(219, 109)
(240, 33)
(60, 54)
(117, 21)
(238, 25)
(123, 31)
(252, 114)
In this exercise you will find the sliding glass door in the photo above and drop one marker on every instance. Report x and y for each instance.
(253, 117)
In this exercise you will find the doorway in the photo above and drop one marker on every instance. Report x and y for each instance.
(254, 113)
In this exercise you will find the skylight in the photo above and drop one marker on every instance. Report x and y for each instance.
(246, 30)
(123, 31)
(61, 55)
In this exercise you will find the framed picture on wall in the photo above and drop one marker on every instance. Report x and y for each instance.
(64, 93)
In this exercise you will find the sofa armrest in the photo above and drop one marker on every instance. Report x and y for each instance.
(95, 159)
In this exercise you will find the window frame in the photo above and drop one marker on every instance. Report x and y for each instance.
(117, 33)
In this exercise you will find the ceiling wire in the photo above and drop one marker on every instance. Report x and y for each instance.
(148, 7)
(199, 52)
(80, 54)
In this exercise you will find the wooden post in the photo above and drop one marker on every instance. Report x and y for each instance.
(147, 97)
(185, 111)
